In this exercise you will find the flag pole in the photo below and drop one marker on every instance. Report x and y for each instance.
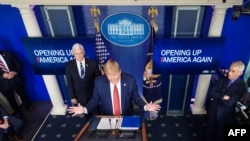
(95, 12)
(102, 53)
(151, 82)
(154, 28)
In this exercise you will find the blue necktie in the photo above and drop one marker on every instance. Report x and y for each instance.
(229, 83)
(81, 71)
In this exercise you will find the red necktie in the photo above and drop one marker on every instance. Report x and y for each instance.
(116, 102)
(3, 67)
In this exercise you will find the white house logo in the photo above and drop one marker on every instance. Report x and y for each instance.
(125, 29)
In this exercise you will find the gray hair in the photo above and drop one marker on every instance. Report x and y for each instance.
(238, 64)
(77, 45)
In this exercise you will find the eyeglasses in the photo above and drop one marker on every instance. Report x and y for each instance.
(233, 71)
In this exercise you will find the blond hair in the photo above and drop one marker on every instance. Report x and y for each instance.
(111, 67)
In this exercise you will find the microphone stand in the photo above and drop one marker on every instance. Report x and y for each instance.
(110, 125)
(116, 130)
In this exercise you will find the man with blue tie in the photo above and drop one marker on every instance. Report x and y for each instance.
(80, 75)
(114, 93)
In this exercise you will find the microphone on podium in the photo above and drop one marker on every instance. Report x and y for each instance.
(116, 122)
(110, 123)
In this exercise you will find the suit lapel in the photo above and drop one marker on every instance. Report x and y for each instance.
(86, 67)
(75, 68)
(234, 82)
(7, 60)
(123, 92)
(108, 93)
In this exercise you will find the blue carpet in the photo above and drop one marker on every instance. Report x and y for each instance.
(164, 128)
(177, 128)
(60, 128)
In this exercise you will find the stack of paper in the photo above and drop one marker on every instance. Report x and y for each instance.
(130, 123)
(109, 123)
(122, 123)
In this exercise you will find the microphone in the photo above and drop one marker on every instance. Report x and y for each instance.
(110, 123)
(116, 122)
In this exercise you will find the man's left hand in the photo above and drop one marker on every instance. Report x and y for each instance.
(153, 107)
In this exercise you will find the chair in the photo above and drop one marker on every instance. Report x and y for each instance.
(4, 102)
(243, 107)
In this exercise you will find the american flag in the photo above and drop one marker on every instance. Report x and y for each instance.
(151, 85)
(101, 50)
(151, 45)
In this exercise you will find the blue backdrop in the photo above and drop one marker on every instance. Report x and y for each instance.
(237, 46)
(187, 55)
(49, 55)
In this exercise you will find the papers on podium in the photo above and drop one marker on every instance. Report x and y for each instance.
(121, 123)
(130, 123)
(107, 123)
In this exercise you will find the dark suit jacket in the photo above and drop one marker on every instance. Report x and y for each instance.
(15, 122)
(3, 113)
(81, 89)
(225, 109)
(13, 65)
(7, 86)
(102, 95)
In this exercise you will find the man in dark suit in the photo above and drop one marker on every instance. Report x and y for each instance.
(80, 88)
(223, 97)
(104, 94)
(10, 125)
(11, 81)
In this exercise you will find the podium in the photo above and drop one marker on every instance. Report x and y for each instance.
(89, 134)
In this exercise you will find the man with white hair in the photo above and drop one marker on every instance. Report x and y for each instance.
(81, 73)
(223, 97)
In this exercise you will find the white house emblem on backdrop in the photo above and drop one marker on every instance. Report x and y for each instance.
(125, 29)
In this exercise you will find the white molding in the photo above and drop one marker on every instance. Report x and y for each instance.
(124, 2)
(53, 8)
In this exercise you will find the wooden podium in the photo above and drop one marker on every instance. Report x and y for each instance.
(84, 134)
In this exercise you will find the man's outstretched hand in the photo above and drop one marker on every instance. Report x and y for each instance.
(76, 110)
(153, 107)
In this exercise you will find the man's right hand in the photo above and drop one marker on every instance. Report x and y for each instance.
(226, 97)
(76, 110)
